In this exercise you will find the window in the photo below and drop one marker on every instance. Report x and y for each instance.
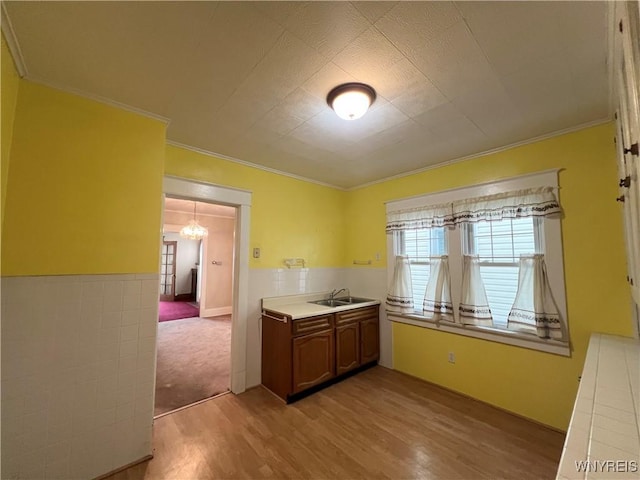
(499, 244)
(484, 237)
(420, 245)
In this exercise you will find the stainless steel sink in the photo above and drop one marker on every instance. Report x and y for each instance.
(351, 300)
(341, 302)
(328, 303)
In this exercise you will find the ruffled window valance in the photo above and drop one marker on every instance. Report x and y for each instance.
(423, 217)
(532, 202)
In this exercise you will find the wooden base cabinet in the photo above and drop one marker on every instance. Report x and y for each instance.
(313, 360)
(298, 355)
(357, 338)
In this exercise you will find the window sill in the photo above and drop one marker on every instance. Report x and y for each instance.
(485, 333)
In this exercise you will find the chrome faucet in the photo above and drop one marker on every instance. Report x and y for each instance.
(334, 293)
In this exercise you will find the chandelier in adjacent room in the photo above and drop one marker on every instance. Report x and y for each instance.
(194, 231)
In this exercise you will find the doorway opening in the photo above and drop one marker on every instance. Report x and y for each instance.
(241, 200)
(196, 305)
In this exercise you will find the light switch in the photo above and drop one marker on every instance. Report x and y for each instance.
(256, 253)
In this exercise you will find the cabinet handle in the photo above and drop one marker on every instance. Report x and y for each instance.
(620, 199)
(283, 320)
(633, 149)
(625, 182)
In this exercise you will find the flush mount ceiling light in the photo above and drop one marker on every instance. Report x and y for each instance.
(194, 231)
(351, 100)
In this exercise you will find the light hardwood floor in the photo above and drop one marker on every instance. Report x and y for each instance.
(378, 424)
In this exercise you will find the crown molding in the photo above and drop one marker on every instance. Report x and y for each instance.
(21, 67)
(12, 42)
(522, 143)
(14, 48)
(252, 165)
(99, 99)
(18, 59)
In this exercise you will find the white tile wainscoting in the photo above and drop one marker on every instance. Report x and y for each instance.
(604, 432)
(78, 367)
(78, 363)
(363, 281)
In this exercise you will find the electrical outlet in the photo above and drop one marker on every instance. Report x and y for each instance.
(377, 256)
(256, 253)
(452, 357)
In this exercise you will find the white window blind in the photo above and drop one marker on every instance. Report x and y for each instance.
(499, 244)
(419, 246)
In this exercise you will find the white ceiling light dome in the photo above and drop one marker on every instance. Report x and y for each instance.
(351, 101)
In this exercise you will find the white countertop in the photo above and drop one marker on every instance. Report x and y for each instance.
(297, 306)
(605, 425)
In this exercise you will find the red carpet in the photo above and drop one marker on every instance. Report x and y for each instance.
(175, 310)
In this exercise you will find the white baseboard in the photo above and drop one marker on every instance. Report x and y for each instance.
(214, 312)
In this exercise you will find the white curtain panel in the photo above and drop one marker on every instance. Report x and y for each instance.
(534, 309)
(474, 306)
(400, 295)
(437, 303)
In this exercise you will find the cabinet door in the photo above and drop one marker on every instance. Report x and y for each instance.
(369, 341)
(313, 360)
(347, 347)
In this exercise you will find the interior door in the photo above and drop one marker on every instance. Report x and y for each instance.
(168, 271)
(627, 68)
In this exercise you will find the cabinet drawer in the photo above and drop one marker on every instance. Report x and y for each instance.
(356, 314)
(312, 324)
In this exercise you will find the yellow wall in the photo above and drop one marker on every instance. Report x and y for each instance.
(85, 187)
(84, 196)
(9, 82)
(289, 218)
(534, 384)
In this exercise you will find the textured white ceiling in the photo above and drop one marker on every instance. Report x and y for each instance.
(249, 79)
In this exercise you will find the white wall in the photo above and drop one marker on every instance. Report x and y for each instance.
(219, 282)
(78, 362)
(186, 259)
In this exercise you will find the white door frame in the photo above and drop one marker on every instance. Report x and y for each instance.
(241, 199)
